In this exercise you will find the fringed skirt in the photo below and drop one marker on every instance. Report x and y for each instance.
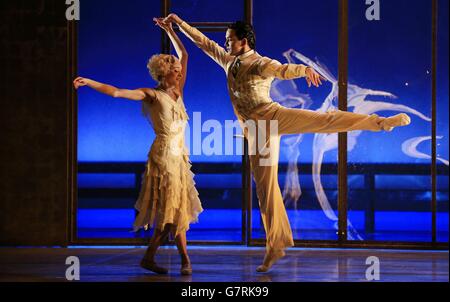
(168, 194)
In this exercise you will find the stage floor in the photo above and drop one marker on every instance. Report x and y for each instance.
(221, 264)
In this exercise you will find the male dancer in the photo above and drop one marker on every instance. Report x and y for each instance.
(249, 77)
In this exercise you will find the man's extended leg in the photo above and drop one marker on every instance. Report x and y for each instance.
(293, 121)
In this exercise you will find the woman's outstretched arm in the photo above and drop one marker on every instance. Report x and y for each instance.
(135, 95)
(178, 45)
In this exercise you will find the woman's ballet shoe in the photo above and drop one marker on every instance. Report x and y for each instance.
(186, 269)
(152, 266)
(269, 259)
(389, 123)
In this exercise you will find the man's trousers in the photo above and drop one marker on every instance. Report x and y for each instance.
(264, 155)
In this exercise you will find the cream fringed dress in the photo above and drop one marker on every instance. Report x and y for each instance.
(168, 194)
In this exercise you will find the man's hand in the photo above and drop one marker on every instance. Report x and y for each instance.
(313, 77)
(173, 18)
(80, 81)
(167, 26)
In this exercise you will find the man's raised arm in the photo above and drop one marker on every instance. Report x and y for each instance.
(272, 68)
(211, 48)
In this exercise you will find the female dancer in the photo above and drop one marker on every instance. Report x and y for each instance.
(168, 199)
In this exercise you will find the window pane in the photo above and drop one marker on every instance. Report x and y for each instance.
(115, 131)
(207, 102)
(391, 58)
(114, 47)
(442, 122)
(209, 11)
(114, 44)
(310, 30)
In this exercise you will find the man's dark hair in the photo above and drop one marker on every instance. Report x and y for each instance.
(244, 30)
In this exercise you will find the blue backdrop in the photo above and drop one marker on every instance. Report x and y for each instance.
(116, 40)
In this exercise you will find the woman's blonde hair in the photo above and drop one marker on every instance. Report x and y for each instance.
(160, 65)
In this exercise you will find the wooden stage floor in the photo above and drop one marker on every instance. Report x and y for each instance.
(222, 264)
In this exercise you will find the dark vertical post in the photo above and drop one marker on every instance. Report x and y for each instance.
(137, 186)
(165, 42)
(72, 116)
(369, 217)
(342, 139)
(434, 6)
(246, 196)
(244, 192)
(248, 15)
(248, 11)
